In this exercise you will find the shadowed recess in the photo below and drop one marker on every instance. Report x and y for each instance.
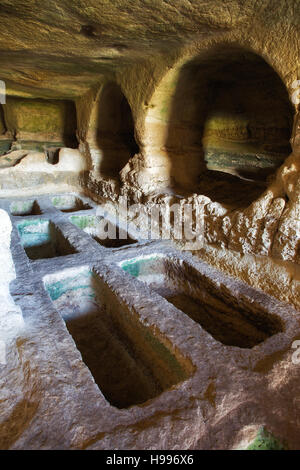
(38, 124)
(41, 239)
(69, 203)
(229, 320)
(115, 131)
(20, 208)
(230, 124)
(106, 233)
(129, 363)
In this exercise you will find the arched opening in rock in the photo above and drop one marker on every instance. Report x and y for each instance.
(38, 124)
(230, 125)
(2, 121)
(115, 131)
(5, 139)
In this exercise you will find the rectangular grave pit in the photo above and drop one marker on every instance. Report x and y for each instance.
(230, 320)
(42, 239)
(24, 208)
(69, 203)
(128, 361)
(106, 233)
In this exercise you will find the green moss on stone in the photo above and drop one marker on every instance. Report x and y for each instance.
(73, 283)
(136, 265)
(266, 441)
(132, 267)
(21, 207)
(49, 119)
(43, 116)
(164, 353)
(34, 232)
(64, 201)
(84, 221)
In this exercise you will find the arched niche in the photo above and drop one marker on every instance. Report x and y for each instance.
(114, 132)
(224, 121)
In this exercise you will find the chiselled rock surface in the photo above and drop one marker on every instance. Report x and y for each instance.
(139, 106)
(143, 314)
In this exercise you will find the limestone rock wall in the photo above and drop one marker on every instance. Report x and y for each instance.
(14, 413)
(30, 172)
(207, 92)
(36, 123)
(177, 102)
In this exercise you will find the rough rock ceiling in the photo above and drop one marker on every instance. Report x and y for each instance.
(61, 48)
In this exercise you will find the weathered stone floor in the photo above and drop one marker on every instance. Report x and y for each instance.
(136, 345)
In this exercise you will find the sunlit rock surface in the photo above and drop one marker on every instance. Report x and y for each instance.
(138, 105)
